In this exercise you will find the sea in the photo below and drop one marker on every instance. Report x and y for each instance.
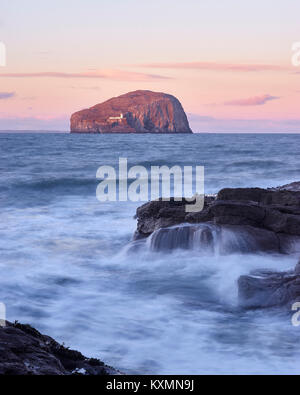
(66, 269)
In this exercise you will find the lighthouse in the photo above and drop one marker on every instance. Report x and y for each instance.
(116, 118)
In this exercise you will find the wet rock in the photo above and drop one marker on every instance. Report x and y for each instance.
(210, 238)
(274, 211)
(280, 222)
(283, 197)
(264, 288)
(248, 239)
(162, 214)
(246, 194)
(25, 351)
(289, 244)
(297, 268)
(237, 213)
(166, 239)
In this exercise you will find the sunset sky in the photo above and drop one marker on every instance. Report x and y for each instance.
(227, 61)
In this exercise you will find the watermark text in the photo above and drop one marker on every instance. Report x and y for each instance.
(140, 184)
(296, 316)
(2, 54)
(2, 314)
(296, 54)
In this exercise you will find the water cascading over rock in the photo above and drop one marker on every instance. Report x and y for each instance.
(245, 220)
(184, 237)
(213, 239)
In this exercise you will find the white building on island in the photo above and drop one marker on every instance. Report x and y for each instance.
(116, 118)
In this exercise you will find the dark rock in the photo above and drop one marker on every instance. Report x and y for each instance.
(25, 351)
(264, 288)
(297, 268)
(159, 214)
(271, 210)
(247, 239)
(289, 244)
(248, 194)
(198, 217)
(275, 220)
(282, 223)
(295, 210)
(283, 198)
(262, 196)
(134, 112)
(237, 213)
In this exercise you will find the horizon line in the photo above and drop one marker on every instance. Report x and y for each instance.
(41, 131)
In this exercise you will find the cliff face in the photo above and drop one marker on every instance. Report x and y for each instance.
(134, 112)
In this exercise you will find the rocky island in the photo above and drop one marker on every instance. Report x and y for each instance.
(135, 112)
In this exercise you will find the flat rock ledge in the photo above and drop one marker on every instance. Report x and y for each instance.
(273, 211)
(25, 351)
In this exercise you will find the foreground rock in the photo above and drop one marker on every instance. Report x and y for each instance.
(264, 288)
(271, 216)
(25, 351)
(134, 112)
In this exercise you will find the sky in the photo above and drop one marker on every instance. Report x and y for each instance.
(229, 62)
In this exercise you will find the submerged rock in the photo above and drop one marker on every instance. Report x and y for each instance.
(265, 288)
(294, 186)
(25, 351)
(135, 112)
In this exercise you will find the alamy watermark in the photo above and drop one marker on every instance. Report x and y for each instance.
(296, 316)
(296, 54)
(137, 184)
(2, 54)
(2, 314)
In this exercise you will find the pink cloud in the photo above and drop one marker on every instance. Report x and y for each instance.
(252, 101)
(118, 75)
(213, 66)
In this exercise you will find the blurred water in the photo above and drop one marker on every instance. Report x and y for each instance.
(65, 268)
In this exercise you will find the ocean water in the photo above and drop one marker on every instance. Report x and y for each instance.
(65, 266)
